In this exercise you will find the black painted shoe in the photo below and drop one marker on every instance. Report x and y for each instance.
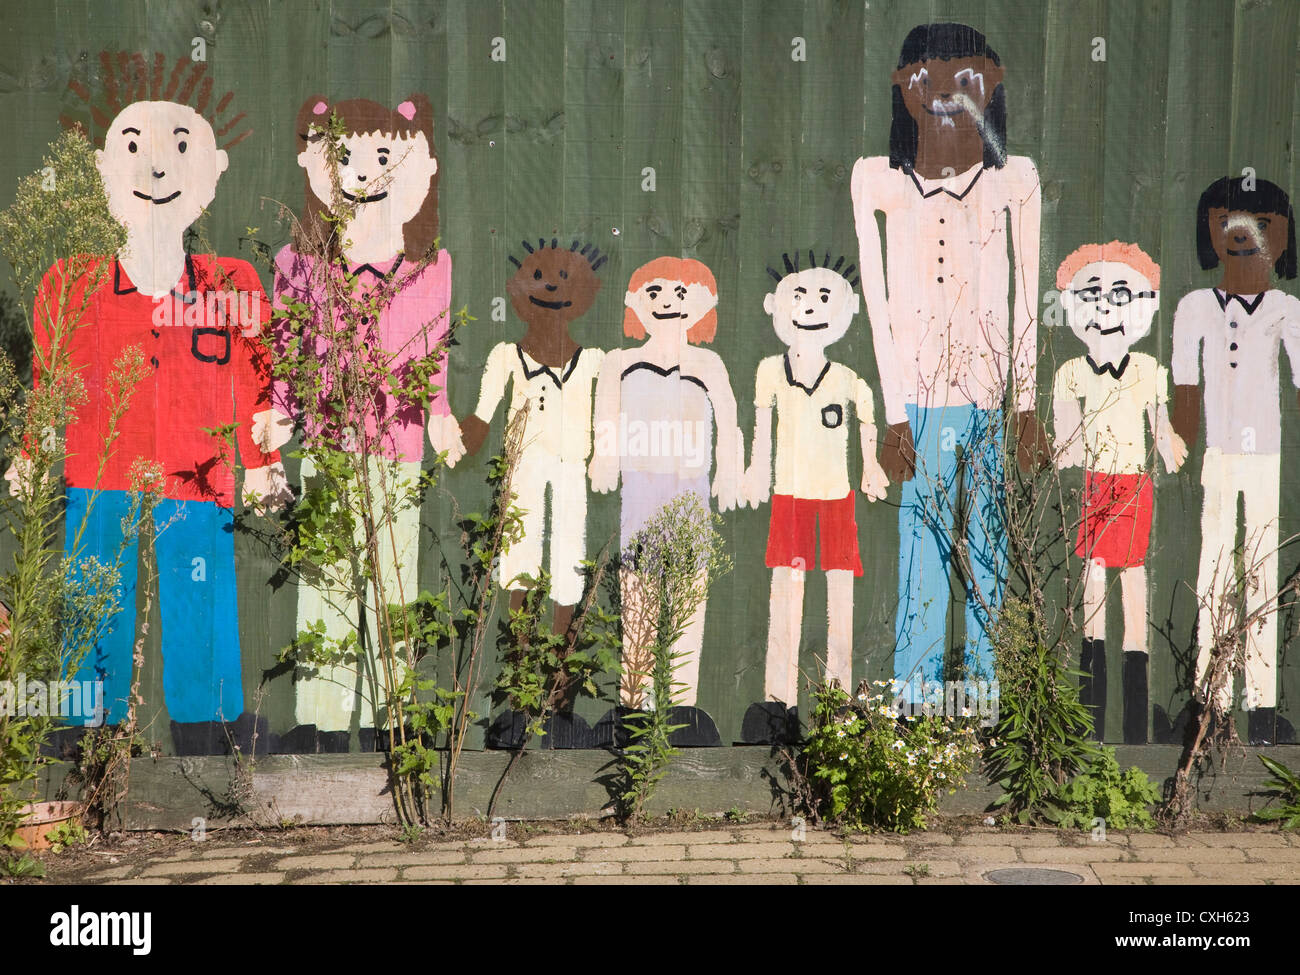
(333, 742)
(1135, 697)
(1170, 731)
(250, 733)
(198, 738)
(770, 723)
(366, 739)
(1266, 727)
(611, 730)
(299, 740)
(700, 730)
(566, 730)
(506, 732)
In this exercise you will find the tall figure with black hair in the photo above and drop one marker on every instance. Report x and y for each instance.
(952, 347)
(1231, 333)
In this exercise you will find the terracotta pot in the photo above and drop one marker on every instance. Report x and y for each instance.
(43, 817)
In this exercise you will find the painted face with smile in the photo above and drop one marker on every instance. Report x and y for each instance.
(1239, 236)
(812, 307)
(386, 177)
(1109, 306)
(664, 306)
(553, 284)
(159, 165)
(951, 93)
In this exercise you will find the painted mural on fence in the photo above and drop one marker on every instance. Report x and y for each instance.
(915, 365)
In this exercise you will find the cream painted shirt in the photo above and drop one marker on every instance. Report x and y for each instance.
(812, 426)
(559, 415)
(945, 329)
(1114, 409)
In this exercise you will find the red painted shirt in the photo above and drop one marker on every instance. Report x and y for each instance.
(206, 368)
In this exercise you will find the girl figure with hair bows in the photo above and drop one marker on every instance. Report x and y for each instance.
(382, 179)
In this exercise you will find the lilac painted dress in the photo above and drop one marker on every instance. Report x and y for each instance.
(665, 441)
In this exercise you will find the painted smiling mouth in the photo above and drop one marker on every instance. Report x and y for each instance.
(553, 305)
(1104, 331)
(165, 199)
(955, 110)
(668, 314)
(814, 327)
(1245, 253)
(362, 198)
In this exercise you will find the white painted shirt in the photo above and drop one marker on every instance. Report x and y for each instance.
(1114, 408)
(559, 415)
(937, 299)
(812, 426)
(1235, 339)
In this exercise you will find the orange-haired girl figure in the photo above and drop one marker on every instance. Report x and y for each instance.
(657, 406)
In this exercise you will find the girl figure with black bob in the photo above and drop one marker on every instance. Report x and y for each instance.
(1227, 341)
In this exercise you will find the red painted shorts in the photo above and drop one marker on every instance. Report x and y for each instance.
(1116, 528)
(792, 537)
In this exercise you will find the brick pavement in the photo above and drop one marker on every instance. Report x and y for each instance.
(737, 854)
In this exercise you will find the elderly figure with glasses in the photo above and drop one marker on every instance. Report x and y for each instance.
(1103, 403)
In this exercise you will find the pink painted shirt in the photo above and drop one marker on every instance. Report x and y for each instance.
(409, 328)
(945, 328)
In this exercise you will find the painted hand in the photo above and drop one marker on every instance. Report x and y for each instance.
(269, 488)
(874, 481)
(19, 476)
(1173, 451)
(444, 436)
(898, 453)
(603, 471)
(756, 485)
(1033, 448)
(727, 489)
(474, 431)
(271, 430)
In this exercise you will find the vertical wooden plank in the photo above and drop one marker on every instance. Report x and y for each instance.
(712, 78)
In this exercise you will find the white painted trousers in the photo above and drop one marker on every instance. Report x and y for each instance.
(568, 523)
(1256, 477)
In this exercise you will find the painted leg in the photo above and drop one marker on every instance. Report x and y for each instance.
(690, 644)
(839, 628)
(639, 632)
(108, 650)
(924, 520)
(1092, 659)
(781, 682)
(1261, 494)
(986, 539)
(1215, 574)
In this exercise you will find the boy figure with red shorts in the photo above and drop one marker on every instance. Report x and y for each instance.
(813, 521)
(1103, 403)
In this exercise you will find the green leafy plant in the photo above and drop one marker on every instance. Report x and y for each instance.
(1043, 735)
(1103, 791)
(867, 767)
(66, 835)
(674, 560)
(1287, 786)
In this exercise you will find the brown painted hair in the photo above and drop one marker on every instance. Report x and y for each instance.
(360, 116)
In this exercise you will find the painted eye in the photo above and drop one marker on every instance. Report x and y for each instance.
(1263, 225)
(965, 82)
(182, 147)
(826, 299)
(537, 275)
(383, 160)
(343, 160)
(131, 147)
(564, 275)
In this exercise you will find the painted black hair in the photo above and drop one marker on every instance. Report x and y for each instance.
(792, 266)
(1229, 193)
(944, 42)
(593, 255)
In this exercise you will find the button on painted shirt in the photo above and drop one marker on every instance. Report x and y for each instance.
(940, 314)
(1233, 340)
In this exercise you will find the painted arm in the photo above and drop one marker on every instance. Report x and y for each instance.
(1171, 447)
(444, 431)
(899, 455)
(1291, 340)
(874, 481)
(1033, 449)
(757, 487)
(606, 456)
(730, 452)
(264, 477)
(1185, 369)
(1067, 424)
(475, 426)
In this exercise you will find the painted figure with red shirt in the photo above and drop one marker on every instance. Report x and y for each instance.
(196, 318)
(388, 173)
